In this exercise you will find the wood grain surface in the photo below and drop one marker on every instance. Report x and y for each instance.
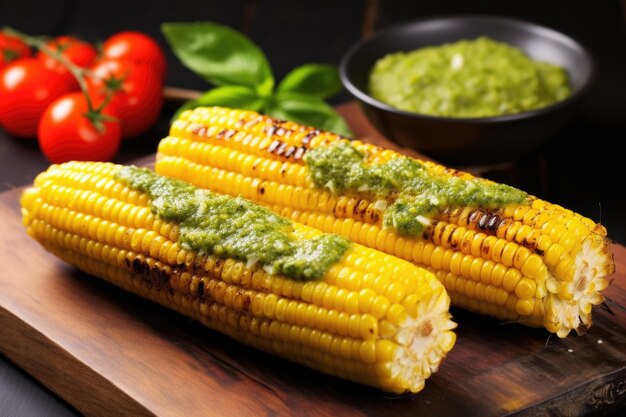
(110, 353)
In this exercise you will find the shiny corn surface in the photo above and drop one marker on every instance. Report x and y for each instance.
(535, 263)
(373, 319)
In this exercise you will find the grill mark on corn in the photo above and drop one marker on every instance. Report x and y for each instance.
(198, 264)
(136, 266)
(269, 131)
(156, 274)
(429, 232)
(277, 147)
(453, 172)
(339, 210)
(362, 210)
(283, 150)
(253, 122)
(300, 151)
(217, 268)
(309, 137)
(532, 245)
(225, 134)
(482, 220)
(290, 151)
(274, 145)
(165, 277)
(451, 242)
(281, 131)
(494, 222)
(201, 288)
(149, 269)
(374, 215)
(198, 129)
(487, 221)
(485, 248)
(276, 128)
(247, 300)
(491, 222)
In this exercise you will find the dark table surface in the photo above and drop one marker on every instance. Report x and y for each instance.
(20, 161)
(579, 168)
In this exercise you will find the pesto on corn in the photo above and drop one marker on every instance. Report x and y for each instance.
(235, 227)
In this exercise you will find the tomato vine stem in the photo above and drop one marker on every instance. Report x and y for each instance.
(94, 114)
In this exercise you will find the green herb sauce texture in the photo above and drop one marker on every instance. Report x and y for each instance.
(469, 78)
(235, 227)
(417, 193)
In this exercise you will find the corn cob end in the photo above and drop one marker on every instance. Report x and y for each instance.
(424, 340)
(568, 304)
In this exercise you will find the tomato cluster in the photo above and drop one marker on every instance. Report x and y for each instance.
(41, 95)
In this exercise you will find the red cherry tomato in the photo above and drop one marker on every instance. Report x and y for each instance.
(76, 51)
(27, 87)
(138, 99)
(10, 49)
(138, 48)
(66, 132)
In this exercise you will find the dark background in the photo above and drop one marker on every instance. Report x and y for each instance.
(581, 168)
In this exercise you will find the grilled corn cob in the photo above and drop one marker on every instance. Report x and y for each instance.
(372, 318)
(531, 261)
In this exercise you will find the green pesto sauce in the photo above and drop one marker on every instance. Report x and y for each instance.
(469, 78)
(417, 193)
(235, 227)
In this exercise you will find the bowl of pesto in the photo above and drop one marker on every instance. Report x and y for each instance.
(468, 89)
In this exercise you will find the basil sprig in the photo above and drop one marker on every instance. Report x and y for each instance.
(243, 77)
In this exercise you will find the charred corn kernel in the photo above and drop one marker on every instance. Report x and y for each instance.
(525, 251)
(346, 323)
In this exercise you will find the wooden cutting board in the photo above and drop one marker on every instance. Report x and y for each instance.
(110, 353)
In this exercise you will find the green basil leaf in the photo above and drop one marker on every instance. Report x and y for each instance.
(318, 80)
(307, 110)
(219, 54)
(234, 96)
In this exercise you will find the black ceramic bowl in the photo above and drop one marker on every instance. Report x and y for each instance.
(468, 140)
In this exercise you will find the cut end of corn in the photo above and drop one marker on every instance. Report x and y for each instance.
(535, 263)
(422, 340)
(568, 307)
(373, 318)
